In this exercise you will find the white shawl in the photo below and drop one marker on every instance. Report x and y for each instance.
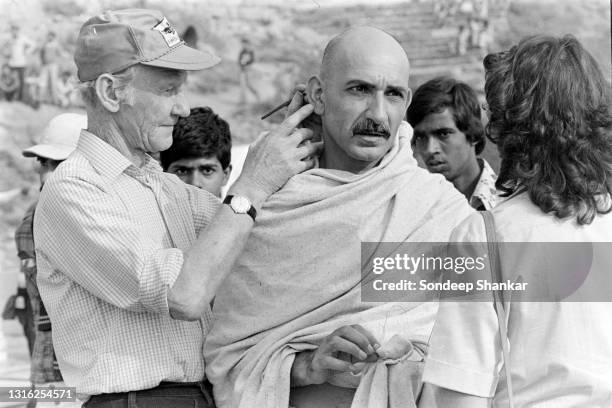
(299, 276)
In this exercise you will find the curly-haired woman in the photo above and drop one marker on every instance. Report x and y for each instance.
(550, 116)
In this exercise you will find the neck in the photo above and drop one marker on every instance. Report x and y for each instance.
(106, 128)
(333, 157)
(467, 181)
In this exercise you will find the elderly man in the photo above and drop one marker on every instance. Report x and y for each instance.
(449, 136)
(131, 257)
(291, 326)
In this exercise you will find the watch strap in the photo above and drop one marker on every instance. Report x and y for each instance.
(252, 212)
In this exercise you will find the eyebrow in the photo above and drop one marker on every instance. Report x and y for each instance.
(170, 77)
(443, 129)
(172, 73)
(358, 82)
(199, 166)
(174, 167)
(169, 81)
(433, 131)
(396, 88)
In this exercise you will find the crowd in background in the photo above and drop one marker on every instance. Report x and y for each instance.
(33, 72)
(472, 16)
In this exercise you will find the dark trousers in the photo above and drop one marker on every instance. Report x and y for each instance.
(165, 395)
(21, 74)
(26, 318)
(9, 96)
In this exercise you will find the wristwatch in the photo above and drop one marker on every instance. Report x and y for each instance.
(240, 205)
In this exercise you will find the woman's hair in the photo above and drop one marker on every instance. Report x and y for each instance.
(550, 115)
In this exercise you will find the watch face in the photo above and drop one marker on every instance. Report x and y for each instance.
(240, 204)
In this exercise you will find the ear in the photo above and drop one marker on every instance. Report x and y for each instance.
(314, 91)
(106, 94)
(408, 98)
(227, 171)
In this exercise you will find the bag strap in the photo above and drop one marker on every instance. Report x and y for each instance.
(498, 297)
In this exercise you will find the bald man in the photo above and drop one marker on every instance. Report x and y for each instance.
(361, 98)
(291, 327)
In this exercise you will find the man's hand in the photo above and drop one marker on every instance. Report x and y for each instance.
(276, 156)
(344, 350)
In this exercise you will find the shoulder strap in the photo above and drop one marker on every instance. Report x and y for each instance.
(498, 301)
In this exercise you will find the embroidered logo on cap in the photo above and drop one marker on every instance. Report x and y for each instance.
(168, 32)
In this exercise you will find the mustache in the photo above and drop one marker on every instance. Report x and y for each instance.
(370, 126)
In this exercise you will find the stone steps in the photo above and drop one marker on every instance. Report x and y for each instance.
(469, 58)
(430, 46)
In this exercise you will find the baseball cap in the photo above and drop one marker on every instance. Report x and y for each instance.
(116, 40)
(59, 138)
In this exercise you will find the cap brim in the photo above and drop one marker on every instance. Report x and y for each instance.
(184, 58)
(48, 151)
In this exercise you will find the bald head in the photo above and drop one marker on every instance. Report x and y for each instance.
(361, 96)
(358, 42)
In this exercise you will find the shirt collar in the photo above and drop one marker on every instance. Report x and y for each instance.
(107, 160)
(485, 193)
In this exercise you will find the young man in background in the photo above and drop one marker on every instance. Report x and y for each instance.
(449, 136)
(200, 154)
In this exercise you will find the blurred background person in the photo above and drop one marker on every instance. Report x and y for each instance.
(66, 94)
(246, 58)
(20, 47)
(475, 27)
(463, 35)
(50, 54)
(485, 38)
(9, 83)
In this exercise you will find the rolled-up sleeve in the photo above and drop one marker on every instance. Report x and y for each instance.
(464, 350)
(87, 234)
(158, 275)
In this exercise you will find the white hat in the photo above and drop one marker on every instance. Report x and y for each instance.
(59, 138)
